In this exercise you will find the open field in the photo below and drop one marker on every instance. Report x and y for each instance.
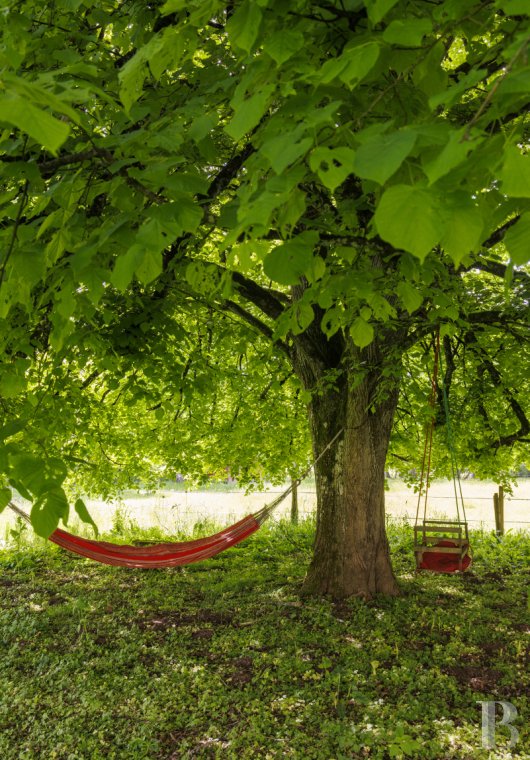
(173, 510)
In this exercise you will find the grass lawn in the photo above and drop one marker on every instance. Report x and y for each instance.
(223, 660)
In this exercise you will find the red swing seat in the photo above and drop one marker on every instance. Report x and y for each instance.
(440, 553)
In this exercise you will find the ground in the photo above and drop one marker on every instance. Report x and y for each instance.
(223, 660)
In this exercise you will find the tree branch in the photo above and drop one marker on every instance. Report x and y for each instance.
(489, 97)
(498, 318)
(499, 233)
(259, 296)
(21, 206)
(497, 269)
(229, 171)
(254, 322)
(71, 158)
(219, 183)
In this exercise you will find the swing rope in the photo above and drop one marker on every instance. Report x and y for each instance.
(434, 551)
(438, 372)
(429, 432)
(457, 483)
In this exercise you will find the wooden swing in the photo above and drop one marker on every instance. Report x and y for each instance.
(441, 546)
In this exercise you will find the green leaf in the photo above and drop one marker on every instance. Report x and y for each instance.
(359, 61)
(407, 33)
(248, 113)
(289, 261)
(316, 270)
(283, 44)
(464, 226)
(202, 276)
(38, 475)
(429, 76)
(93, 279)
(284, 150)
(132, 78)
(154, 235)
(515, 173)
(452, 154)
(362, 332)
(19, 488)
(202, 126)
(407, 217)
(186, 214)
(5, 498)
(47, 510)
(172, 6)
(44, 128)
(292, 210)
(56, 247)
(40, 96)
(12, 385)
(381, 156)
(515, 82)
(332, 165)
(329, 71)
(66, 303)
(149, 266)
(412, 299)
(166, 52)
(81, 509)
(12, 428)
(243, 26)
(162, 52)
(514, 7)
(377, 9)
(351, 67)
(452, 94)
(303, 315)
(517, 240)
(240, 257)
(125, 267)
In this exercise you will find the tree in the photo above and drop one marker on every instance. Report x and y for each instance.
(343, 179)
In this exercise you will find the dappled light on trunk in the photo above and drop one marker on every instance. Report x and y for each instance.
(351, 553)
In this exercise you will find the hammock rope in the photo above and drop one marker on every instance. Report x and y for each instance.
(172, 554)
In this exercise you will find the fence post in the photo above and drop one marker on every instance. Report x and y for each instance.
(496, 512)
(294, 502)
(498, 507)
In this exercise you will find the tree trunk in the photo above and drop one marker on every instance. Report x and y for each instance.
(351, 553)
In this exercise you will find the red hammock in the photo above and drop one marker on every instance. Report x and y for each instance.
(159, 555)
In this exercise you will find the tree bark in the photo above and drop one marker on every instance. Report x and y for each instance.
(351, 553)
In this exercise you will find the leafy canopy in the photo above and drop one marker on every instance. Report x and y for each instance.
(280, 176)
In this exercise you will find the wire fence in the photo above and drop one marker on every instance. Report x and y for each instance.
(178, 510)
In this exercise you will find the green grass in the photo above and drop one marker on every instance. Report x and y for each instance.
(222, 659)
